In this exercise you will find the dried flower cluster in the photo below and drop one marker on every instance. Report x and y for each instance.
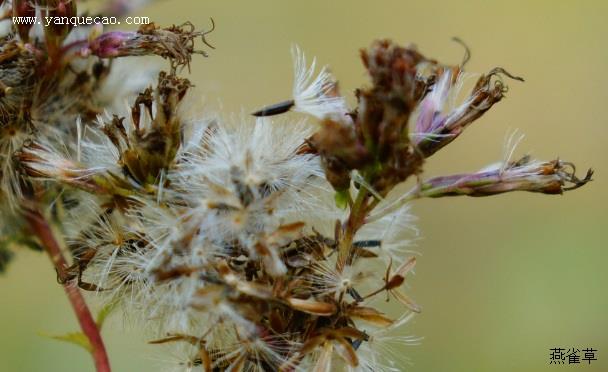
(254, 244)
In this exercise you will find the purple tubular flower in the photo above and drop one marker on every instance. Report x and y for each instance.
(434, 129)
(113, 44)
(552, 177)
(175, 43)
(430, 118)
(546, 177)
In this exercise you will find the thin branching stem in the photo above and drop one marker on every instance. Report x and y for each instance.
(41, 228)
(358, 212)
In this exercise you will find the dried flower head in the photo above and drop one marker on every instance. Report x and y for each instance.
(256, 245)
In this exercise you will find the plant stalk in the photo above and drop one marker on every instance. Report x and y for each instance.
(41, 228)
(355, 220)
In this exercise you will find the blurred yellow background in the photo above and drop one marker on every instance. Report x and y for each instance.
(501, 280)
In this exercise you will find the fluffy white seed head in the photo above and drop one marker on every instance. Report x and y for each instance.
(316, 96)
(247, 178)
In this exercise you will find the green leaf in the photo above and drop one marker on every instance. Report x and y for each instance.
(105, 312)
(76, 338)
(79, 338)
(341, 198)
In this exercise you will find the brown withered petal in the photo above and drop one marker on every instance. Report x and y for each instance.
(311, 344)
(90, 287)
(312, 306)
(286, 233)
(370, 315)
(166, 340)
(349, 332)
(176, 272)
(291, 228)
(254, 289)
(206, 361)
(177, 337)
(365, 253)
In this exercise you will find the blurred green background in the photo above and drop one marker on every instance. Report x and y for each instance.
(501, 280)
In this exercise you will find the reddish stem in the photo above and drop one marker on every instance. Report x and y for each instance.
(42, 230)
